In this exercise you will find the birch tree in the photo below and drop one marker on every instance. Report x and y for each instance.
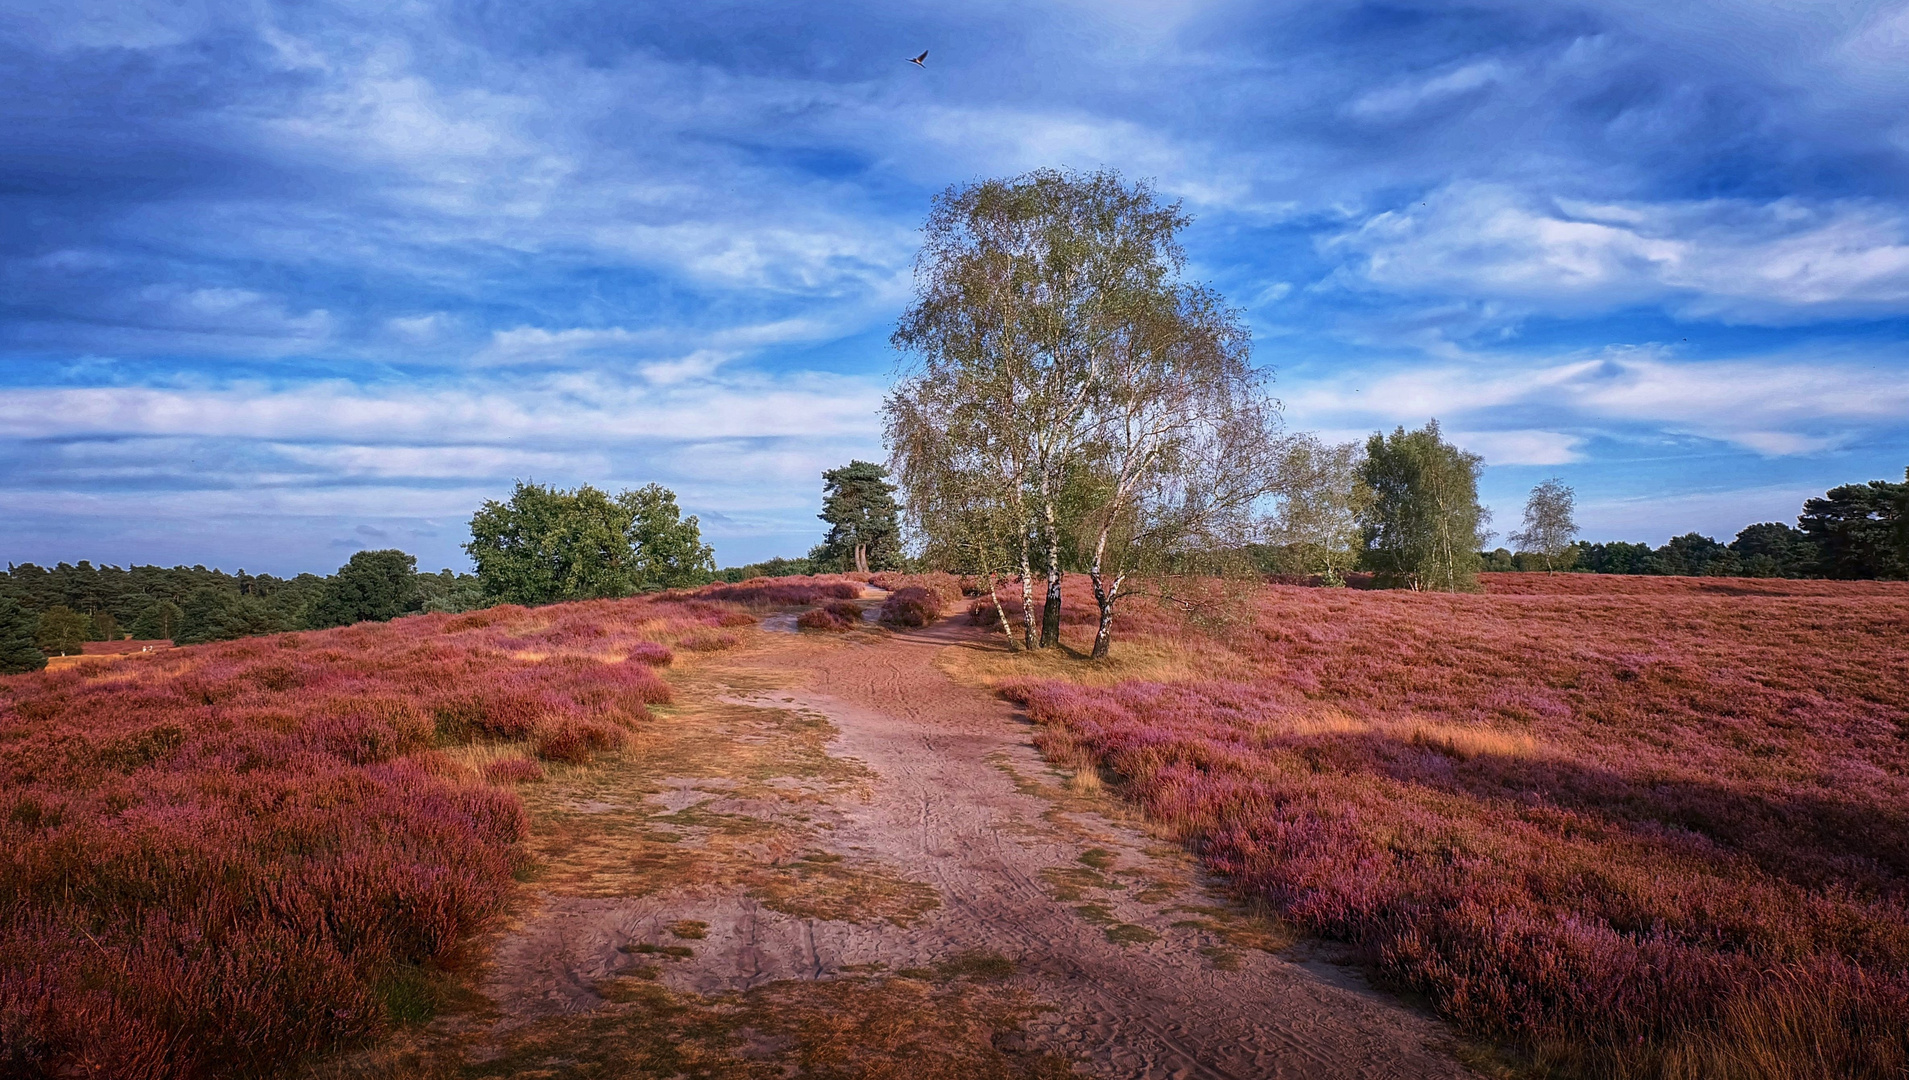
(1423, 526)
(1550, 527)
(1183, 441)
(1024, 288)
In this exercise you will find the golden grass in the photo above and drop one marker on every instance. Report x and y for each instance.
(1134, 657)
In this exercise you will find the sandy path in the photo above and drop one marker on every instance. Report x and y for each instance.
(1134, 994)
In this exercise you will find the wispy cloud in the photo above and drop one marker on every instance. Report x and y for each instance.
(273, 272)
(1779, 261)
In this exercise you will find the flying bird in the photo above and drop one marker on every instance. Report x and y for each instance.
(918, 61)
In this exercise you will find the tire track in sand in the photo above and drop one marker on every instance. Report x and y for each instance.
(944, 810)
(1093, 913)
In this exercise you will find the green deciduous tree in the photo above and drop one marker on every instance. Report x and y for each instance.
(18, 653)
(1024, 288)
(449, 593)
(1550, 529)
(546, 545)
(669, 548)
(1774, 549)
(61, 631)
(1322, 500)
(372, 586)
(159, 621)
(859, 504)
(1053, 414)
(1424, 526)
(1182, 449)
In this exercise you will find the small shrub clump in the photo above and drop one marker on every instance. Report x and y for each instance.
(513, 770)
(840, 615)
(911, 605)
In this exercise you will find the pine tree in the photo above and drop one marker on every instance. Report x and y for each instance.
(859, 504)
(17, 651)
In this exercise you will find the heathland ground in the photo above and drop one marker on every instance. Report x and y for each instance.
(1615, 828)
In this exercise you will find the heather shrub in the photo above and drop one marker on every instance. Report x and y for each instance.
(840, 615)
(911, 606)
(763, 593)
(708, 641)
(1637, 831)
(215, 860)
(651, 653)
(575, 742)
(946, 588)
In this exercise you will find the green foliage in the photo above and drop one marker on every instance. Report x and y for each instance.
(449, 593)
(859, 504)
(160, 621)
(1322, 497)
(61, 631)
(670, 553)
(101, 626)
(1695, 555)
(776, 567)
(1615, 557)
(373, 586)
(546, 545)
(1773, 549)
(1550, 529)
(18, 653)
(211, 614)
(1424, 525)
(127, 593)
(1859, 530)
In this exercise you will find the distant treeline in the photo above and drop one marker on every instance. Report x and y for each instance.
(191, 604)
(1855, 531)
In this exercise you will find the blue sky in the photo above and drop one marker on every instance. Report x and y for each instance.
(278, 282)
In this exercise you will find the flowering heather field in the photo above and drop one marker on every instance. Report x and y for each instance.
(762, 593)
(1631, 827)
(216, 859)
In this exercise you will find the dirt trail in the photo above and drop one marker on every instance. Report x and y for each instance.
(1148, 971)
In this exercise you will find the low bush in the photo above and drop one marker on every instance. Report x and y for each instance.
(946, 588)
(709, 641)
(764, 593)
(513, 770)
(911, 606)
(649, 652)
(575, 742)
(840, 615)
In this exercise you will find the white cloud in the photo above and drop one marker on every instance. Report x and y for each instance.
(582, 406)
(434, 462)
(1400, 100)
(1773, 262)
(1775, 407)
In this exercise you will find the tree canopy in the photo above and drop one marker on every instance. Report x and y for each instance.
(1068, 390)
(545, 545)
(859, 504)
(18, 652)
(1550, 527)
(1859, 529)
(1424, 525)
(61, 631)
(373, 586)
